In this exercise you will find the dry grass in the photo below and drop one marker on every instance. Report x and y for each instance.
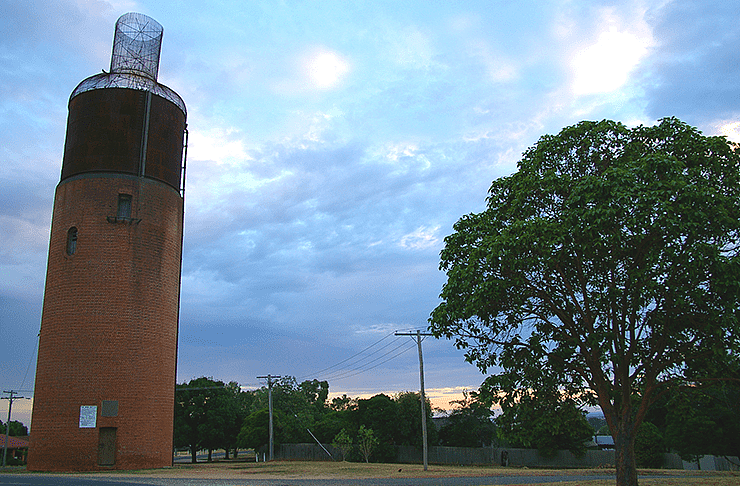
(339, 470)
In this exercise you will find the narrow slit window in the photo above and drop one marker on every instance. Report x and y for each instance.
(71, 241)
(124, 205)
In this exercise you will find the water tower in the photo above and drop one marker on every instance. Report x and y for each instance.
(105, 378)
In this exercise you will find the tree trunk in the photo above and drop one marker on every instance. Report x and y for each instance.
(226, 456)
(624, 446)
(193, 455)
(210, 454)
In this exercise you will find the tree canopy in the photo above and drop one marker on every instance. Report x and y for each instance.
(469, 424)
(608, 261)
(208, 414)
(17, 429)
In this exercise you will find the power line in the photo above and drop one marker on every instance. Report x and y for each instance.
(353, 356)
(33, 355)
(360, 365)
(357, 371)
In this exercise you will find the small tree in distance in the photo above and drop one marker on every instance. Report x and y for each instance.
(609, 263)
(366, 442)
(343, 442)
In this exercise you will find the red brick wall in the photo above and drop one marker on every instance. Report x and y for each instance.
(109, 324)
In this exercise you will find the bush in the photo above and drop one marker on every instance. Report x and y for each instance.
(649, 447)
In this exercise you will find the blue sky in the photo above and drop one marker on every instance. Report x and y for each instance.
(333, 145)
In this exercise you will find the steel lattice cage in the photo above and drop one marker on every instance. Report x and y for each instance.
(136, 45)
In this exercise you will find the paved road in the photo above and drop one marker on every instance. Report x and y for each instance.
(54, 480)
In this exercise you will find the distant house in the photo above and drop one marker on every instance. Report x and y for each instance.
(604, 442)
(17, 448)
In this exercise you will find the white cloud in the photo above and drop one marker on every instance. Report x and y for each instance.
(421, 238)
(731, 130)
(397, 151)
(605, 65)
(220, 145)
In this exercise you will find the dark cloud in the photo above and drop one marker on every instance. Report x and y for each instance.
(695, 70)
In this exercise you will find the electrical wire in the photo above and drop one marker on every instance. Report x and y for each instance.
(345, 360)
(353, 372)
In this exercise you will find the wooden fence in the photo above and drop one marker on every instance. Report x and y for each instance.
(468, 456)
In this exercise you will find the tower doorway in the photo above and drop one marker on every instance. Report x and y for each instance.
(107, 446)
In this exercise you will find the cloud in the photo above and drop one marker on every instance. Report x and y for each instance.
(325, 69)
(421, 238)
(606, 65)
(731, 130)
(333, 146)
(695, 72)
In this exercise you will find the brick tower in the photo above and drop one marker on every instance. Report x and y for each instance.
(105, 378)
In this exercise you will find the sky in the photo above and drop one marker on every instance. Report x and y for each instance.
(332, 146)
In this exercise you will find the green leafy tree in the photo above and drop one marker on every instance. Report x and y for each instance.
(203, 414)
(611, 258)
(302, 406)
(17, 429)
(343, 403)
(255, 432)
(408, 425)
(366, 442)
(343, 442)
(649, 446)
(702, 419)
(538, 411)
(330, 423)
(316, 393)
(469, 424)
(543, 420)
(380, 414)
(241, 405)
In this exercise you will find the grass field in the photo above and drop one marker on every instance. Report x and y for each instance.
(338, 470)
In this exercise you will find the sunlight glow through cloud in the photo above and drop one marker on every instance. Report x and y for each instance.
(731, 131)
(326, 69)
(606, 65)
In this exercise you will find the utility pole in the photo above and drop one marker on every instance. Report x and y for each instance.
(269, 404)
(418, 335)
(7, 425)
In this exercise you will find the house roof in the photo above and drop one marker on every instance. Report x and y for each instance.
(604, 440)
(13, 442)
